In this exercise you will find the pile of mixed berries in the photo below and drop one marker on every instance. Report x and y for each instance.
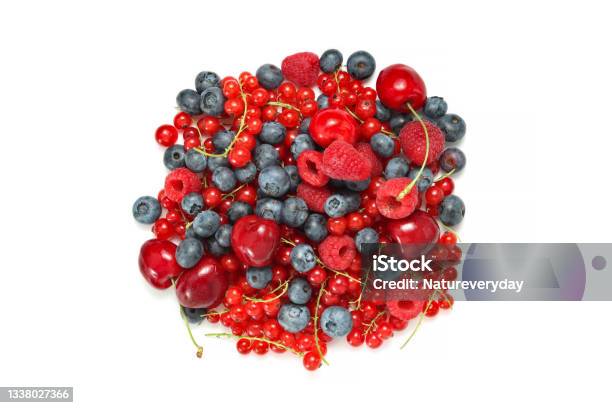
(273, 191)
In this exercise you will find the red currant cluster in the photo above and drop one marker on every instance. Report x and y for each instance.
(274, 189)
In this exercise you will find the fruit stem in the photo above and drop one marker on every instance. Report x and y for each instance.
(409, 187)
(200, 349)
(285, 105)
(316, 323)
(450, 173)
(234, 191)
(421, 318)
(373, 324)
(233, 336)
(284, 285)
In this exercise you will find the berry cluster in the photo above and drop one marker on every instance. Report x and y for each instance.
(274, 190)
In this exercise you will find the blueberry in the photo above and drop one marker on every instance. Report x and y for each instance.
(224, 179)
(216, 162)
(214, 248)
(294, 212)
(190, 233)
(205, 80)
(315, 227)
(258, 278)
(146, 210)
(224, 235)
(305, 125)
(335, 183)
(212, 101)
(366, 236)
(301, 143)
(193, 315)
(336, 321)
(265, 156)
(425, 180)
(192, 203)
(222, 139)
(293, 318)
(174, 157)
(189, 252)
(299, 291)
(195, 161)
(272, 133)
(361, 65)
(206, 223)
(452, 210)
(237, 210)
(330, 61)
(396, 167)
(247, 173)
(398, 120)
(452, 159)
(353, 200)
(269, 76)
(188, 101)
(453, 127)
(294, 177)
(274, 181)
(303, 258)
(435, 107)
(357, 185)
(269, 208)
(336, 206)
(323, 101)
(382, 112)
(382, 145)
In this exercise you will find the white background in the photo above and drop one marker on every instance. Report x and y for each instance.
(83, 87)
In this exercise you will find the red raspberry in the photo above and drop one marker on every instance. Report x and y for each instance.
(313, 196)
(181, 182)
(366, 150)
(386, 198)
(342, 161)
(405, 309)
(412, 138)
(301, 68)
(337, 252)
(310, 168)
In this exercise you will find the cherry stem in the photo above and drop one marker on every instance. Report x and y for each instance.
(200, 349)
(409, 187)
(316, 323)
(421, 318)
(233, 336)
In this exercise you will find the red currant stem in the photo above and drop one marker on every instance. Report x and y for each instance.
(372, 324)
(285, 105)
(316, 322)
(214, 313)
(200, 349)
(446, 299)
(234, 191)
(353, 114)
(409, 187)
(421, 318)
(346, 275)
(442, 177)
(233, 336)
(284, 285)
(336, 79)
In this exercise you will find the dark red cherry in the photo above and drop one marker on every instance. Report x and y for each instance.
(157, 262)
(417, 233)
(255, 240)
(202, 286)
(329, 125)
(398, 85)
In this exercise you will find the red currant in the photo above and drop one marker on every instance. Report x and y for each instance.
(166, 135)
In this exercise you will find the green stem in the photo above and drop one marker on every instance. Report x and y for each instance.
(284, 285)
(275, 343)
(421, 318)
(316, 323)
(200, 349)
(409, 187)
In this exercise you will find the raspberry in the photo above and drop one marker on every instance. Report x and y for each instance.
(181, 182)
(313, 196)
(366, 150)
(412, 139)
(386, 198)
(342, 161)
(301, 68)
(337, 252)
(310, 164)
(405, 309)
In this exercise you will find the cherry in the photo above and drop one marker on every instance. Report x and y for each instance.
(328, 125)
(204, 285)
(166, 135)
(158, 264)
(398, 85)
(255, 240)
(416, 233)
